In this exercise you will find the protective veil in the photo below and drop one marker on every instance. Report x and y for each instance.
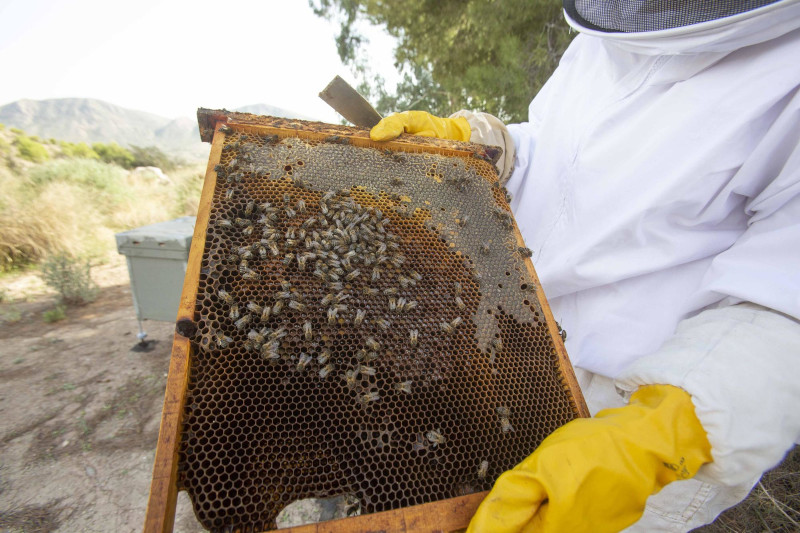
(658, 184)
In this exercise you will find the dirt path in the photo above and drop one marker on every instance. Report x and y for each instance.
(80, 412)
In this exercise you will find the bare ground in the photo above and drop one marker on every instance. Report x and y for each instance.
(80, 414)
(79, 410)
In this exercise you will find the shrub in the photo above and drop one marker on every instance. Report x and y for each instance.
(17, 131)
(2, 126)
(31, 150)
(59, 312)
(70, 278)
(106, 181)
(152, 156)
(114, 153)
(78, 150)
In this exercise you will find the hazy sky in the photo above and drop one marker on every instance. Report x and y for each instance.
(170, 57)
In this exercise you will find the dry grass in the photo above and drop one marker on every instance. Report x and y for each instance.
(773, 505)
(76, 206)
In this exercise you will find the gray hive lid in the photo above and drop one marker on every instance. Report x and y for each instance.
(170, 235)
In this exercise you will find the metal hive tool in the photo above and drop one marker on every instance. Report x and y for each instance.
(366, 322)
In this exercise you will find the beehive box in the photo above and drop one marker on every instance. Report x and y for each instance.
(359, 319)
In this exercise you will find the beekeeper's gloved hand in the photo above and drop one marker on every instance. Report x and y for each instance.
(595, 474)
(420, 123)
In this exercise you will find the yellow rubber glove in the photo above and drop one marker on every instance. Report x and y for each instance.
(595, 474)
(420, 123)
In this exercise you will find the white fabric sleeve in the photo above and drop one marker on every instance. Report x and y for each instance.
(741, 365)
(490, 130)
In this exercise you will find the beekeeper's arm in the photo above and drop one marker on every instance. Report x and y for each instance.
(733, 370)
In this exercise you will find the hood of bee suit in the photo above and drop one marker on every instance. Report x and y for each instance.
(679, 27)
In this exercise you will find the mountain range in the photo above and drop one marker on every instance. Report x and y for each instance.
(89, 120)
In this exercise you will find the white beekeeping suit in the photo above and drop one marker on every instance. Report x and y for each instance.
(658, 184)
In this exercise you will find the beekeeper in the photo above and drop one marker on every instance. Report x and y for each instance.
(657, 182)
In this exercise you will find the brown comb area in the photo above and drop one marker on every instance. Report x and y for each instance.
(366, 326)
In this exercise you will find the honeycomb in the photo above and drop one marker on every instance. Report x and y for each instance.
(366, 325)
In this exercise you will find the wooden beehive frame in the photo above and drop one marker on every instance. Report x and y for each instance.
(444, 515)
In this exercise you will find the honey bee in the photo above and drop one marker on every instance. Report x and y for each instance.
(359, 319)
(290, 213)
(251, 274)
(278, 334)
(391, 291)
(485, 249)
(225, 129)
(327, 299)
(225, 223)
(397, 182)
(371, 356)
(376, 274)
(297, 306)
(392, 304)
(350, 378)
(248, 209)
(404, 386)
(460, 302)
(524, 251)
(369, 397)
(287, 259)
(503, 411)
(301, 204)
(301, 261)
(225, 297)
(303, 362)
(254, 307)
(505, 425)
(323, 357)
(372, 344)
(248, 231)
(365, 370)
(265, 313)
(435, 437)
(457, 288)
(332, 314)
(405, 282)
(241, 222)
(326, 370)
(234, 313)
(308, 332)
(446, 328)
(256, 336)
(353, 275)
(328, 195)
(456, 322)
(483, 469)
(414, 337)
(242, 322)
(383, 324)
(273, 248)
(277, 308)
(221, 340)
(497, 343)
(309, 222)
(270, 351)
(419, 444)
(463, 221)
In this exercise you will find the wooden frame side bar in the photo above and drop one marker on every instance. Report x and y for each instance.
(160, 515)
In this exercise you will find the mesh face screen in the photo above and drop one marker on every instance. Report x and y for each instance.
(366, 326)
(653, 15)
